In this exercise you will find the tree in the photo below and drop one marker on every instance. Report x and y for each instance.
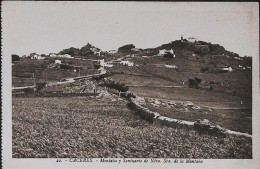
(15, 58)
(126, 48)
(194, 83)
(40, 86)
(96, 66)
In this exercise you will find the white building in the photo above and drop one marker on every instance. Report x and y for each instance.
(57, 62)
(104, 64)
(65, 56)
(192, 39)
(112, 51)
(36, 56)
(52, 55)
(136, 49)
(171, 66)
(228, 69)
(127, 63)
(97, 53)
(164, 51)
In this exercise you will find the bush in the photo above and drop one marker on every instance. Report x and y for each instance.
(204, 69)
(96, 66)
(98, 78)
(40, 86)
(28, 90)
(168, 55)
(194, 83)
(66, 66)
(126, 48)
(212, 82)
(15, 58)
(117, 85)
(197, 80)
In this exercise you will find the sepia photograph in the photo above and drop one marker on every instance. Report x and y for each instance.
(131, 80)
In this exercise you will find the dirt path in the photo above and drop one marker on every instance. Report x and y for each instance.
(23, 87)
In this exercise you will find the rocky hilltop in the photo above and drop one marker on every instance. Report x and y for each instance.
(84, 51)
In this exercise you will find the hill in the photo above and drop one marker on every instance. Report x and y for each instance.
(84, 51)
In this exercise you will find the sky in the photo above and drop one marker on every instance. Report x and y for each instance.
(46, 27)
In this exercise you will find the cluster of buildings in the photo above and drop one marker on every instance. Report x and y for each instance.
(42, 57)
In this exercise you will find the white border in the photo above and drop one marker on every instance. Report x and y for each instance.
(10, 163)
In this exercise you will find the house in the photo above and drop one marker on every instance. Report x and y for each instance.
(96, 51)
(104, 64)
(127, 63)
(166, 53)
(227, 69)
(52, 55)
(57, 62)
(36, 56)
(112, 51)
(65, 56)
(192, 39)
(136, 49)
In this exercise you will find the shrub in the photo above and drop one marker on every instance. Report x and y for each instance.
(28, 90)
(126, 48)
(15, 58)
(194, 83)
(204, 69)
(66, 66)
(197, 80)
(40, 86)
(168, 55)
(97, 66)
(98, 78)
(117, 85)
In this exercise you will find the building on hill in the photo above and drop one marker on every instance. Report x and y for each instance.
(127, 63)
(52, 55)
(65, 56)
(230, 69)
(136, 49)
(112, 51)
(36, 56)
(192, 39)
(57, 62)
(98, 53)
(181, 38)
(166, 53)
